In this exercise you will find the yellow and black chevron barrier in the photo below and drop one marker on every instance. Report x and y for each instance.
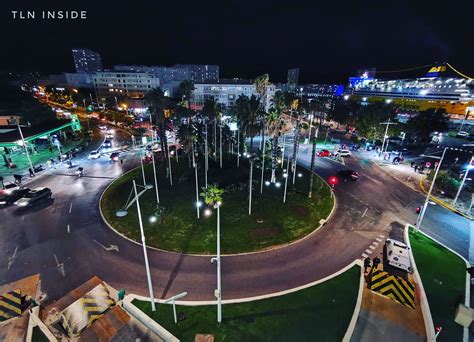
(10, 305)
(394, 287)
(83, 312)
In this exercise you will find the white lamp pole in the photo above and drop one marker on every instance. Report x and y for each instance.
(147, 266)
(197, 185)
(143, 169)
(250, 185)
(26, 148)
(463, 181)
(169, 163)
(287, 176)
(238, 148)
(206, 163)
(156, 181)
(263, 161)
(220, 144)
(428, 196)
(218, 293)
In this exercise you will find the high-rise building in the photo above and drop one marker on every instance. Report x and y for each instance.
(86, 61)
(293, 75)
(179, 72)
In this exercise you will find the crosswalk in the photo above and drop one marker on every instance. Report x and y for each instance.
(373, 246)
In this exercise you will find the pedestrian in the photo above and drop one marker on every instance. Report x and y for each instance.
(366, 264)
(17, 179)
(121, 161)
(412, 164)
(50, 149)
(1, 181)
(422, 168)
(376, 262)
(32, 174)
(415, 168)
(59, 158)
(53, 162)
(49, 163)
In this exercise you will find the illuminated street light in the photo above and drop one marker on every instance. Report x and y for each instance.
(207, 212)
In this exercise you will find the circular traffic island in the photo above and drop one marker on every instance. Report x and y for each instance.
(173, 224)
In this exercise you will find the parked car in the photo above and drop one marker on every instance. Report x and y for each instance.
(94, 154)
(33, 196)
(107, 143)
(114, 156)
(343, 153)
(348, 174)
(324, 153)
(10, 197)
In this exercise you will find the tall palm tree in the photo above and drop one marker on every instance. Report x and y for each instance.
(248, 114)
(275, 123)
(158, 107)
(261, 83)
(186, 89)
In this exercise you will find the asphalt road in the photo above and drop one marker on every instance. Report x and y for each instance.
(67, 243)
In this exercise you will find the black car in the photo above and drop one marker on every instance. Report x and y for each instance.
(114, 156)
(33, 196)
(8, 197)
(107, 143)
(348, 175)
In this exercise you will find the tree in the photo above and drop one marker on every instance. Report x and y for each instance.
(275, 124)
(185, 89)
(342, 111)
(428, 121)
(261, 83)
(249, 116)
(368, 118)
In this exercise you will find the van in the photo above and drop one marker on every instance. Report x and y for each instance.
(398, 255)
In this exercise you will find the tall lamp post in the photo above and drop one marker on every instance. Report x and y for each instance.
(145, 255)
(469, 167)
(23, 142)
(428, 196)
(251, 160)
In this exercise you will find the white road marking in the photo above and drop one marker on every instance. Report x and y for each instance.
(108, 249)
(365, 212)
(368, 251)
(379, 239)
(375, 243)
(364, 255)
(11, 259)
(70, 208)
(372, 247)
(381, 236)
(60, 266)
(68, 229)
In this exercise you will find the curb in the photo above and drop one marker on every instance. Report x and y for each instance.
(268, 249)
(357, 262)
(444, 204)
(467, 293)
(355, 315)
(425, 307)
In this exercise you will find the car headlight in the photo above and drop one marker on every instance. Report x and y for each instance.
(22, 204)
(3, 202)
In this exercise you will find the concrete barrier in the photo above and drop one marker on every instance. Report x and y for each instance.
(146, 320)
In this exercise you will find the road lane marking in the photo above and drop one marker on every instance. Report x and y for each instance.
(70, 208)
(365, 212)
(108, 249)
(59, 266)
(379, 239)
(375, 243)
(68, 229)
(364, 255)
(372, 247)
(381, 236)
(11, 259)
(368, 251)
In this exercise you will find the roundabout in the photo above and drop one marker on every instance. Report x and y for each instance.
(172, 225)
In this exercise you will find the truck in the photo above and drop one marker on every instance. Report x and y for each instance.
(398, 255)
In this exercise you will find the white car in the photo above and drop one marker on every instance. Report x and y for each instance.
(33, 196)
(343, 153)
(109, 135)
(94, 154)
(462, 134)
(398, 255)
(103, 127)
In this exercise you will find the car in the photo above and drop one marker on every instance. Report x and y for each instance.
(324, 153)
(114, 156)
(107, 143)
(109, 135)
(94, 154)
(348, 174)
(397, 255)
(462, 134)
(9, 188)
(13, 195)
(34, 196)
(103, 127)
(343, 153)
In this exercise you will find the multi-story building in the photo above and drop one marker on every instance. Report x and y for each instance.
(110, 84)
(292, 80)
(435, 90)
(86, 61)
(320, 90)
(227, 92)
(79, 80)
(171, 77)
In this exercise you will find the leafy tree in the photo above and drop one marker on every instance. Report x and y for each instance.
(212, 195)
(342, 111)
(249, 116)
(185, 89)
(368, 118)
(275, 123)
(428, 121)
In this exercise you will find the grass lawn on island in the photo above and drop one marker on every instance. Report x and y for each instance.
(318, 313)
(271, 223)
(444, 279)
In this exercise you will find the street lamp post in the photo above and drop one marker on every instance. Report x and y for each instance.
(218, 260)
(143, 170)
(197, 185)
(147, 266)
(250, 184)
(206, 162)
(26, 148)
(469, 166)
(156, 181)
(286, 178)
(263, 161)
(238, 148)
(427, 200)
(169, 163)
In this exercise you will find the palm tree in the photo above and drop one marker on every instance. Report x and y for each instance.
(275, 123)
(158, 106)
(261, 83)
(213, 196)
(249, 115)
(185, 89)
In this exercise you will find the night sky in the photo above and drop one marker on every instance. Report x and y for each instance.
(327, 40)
